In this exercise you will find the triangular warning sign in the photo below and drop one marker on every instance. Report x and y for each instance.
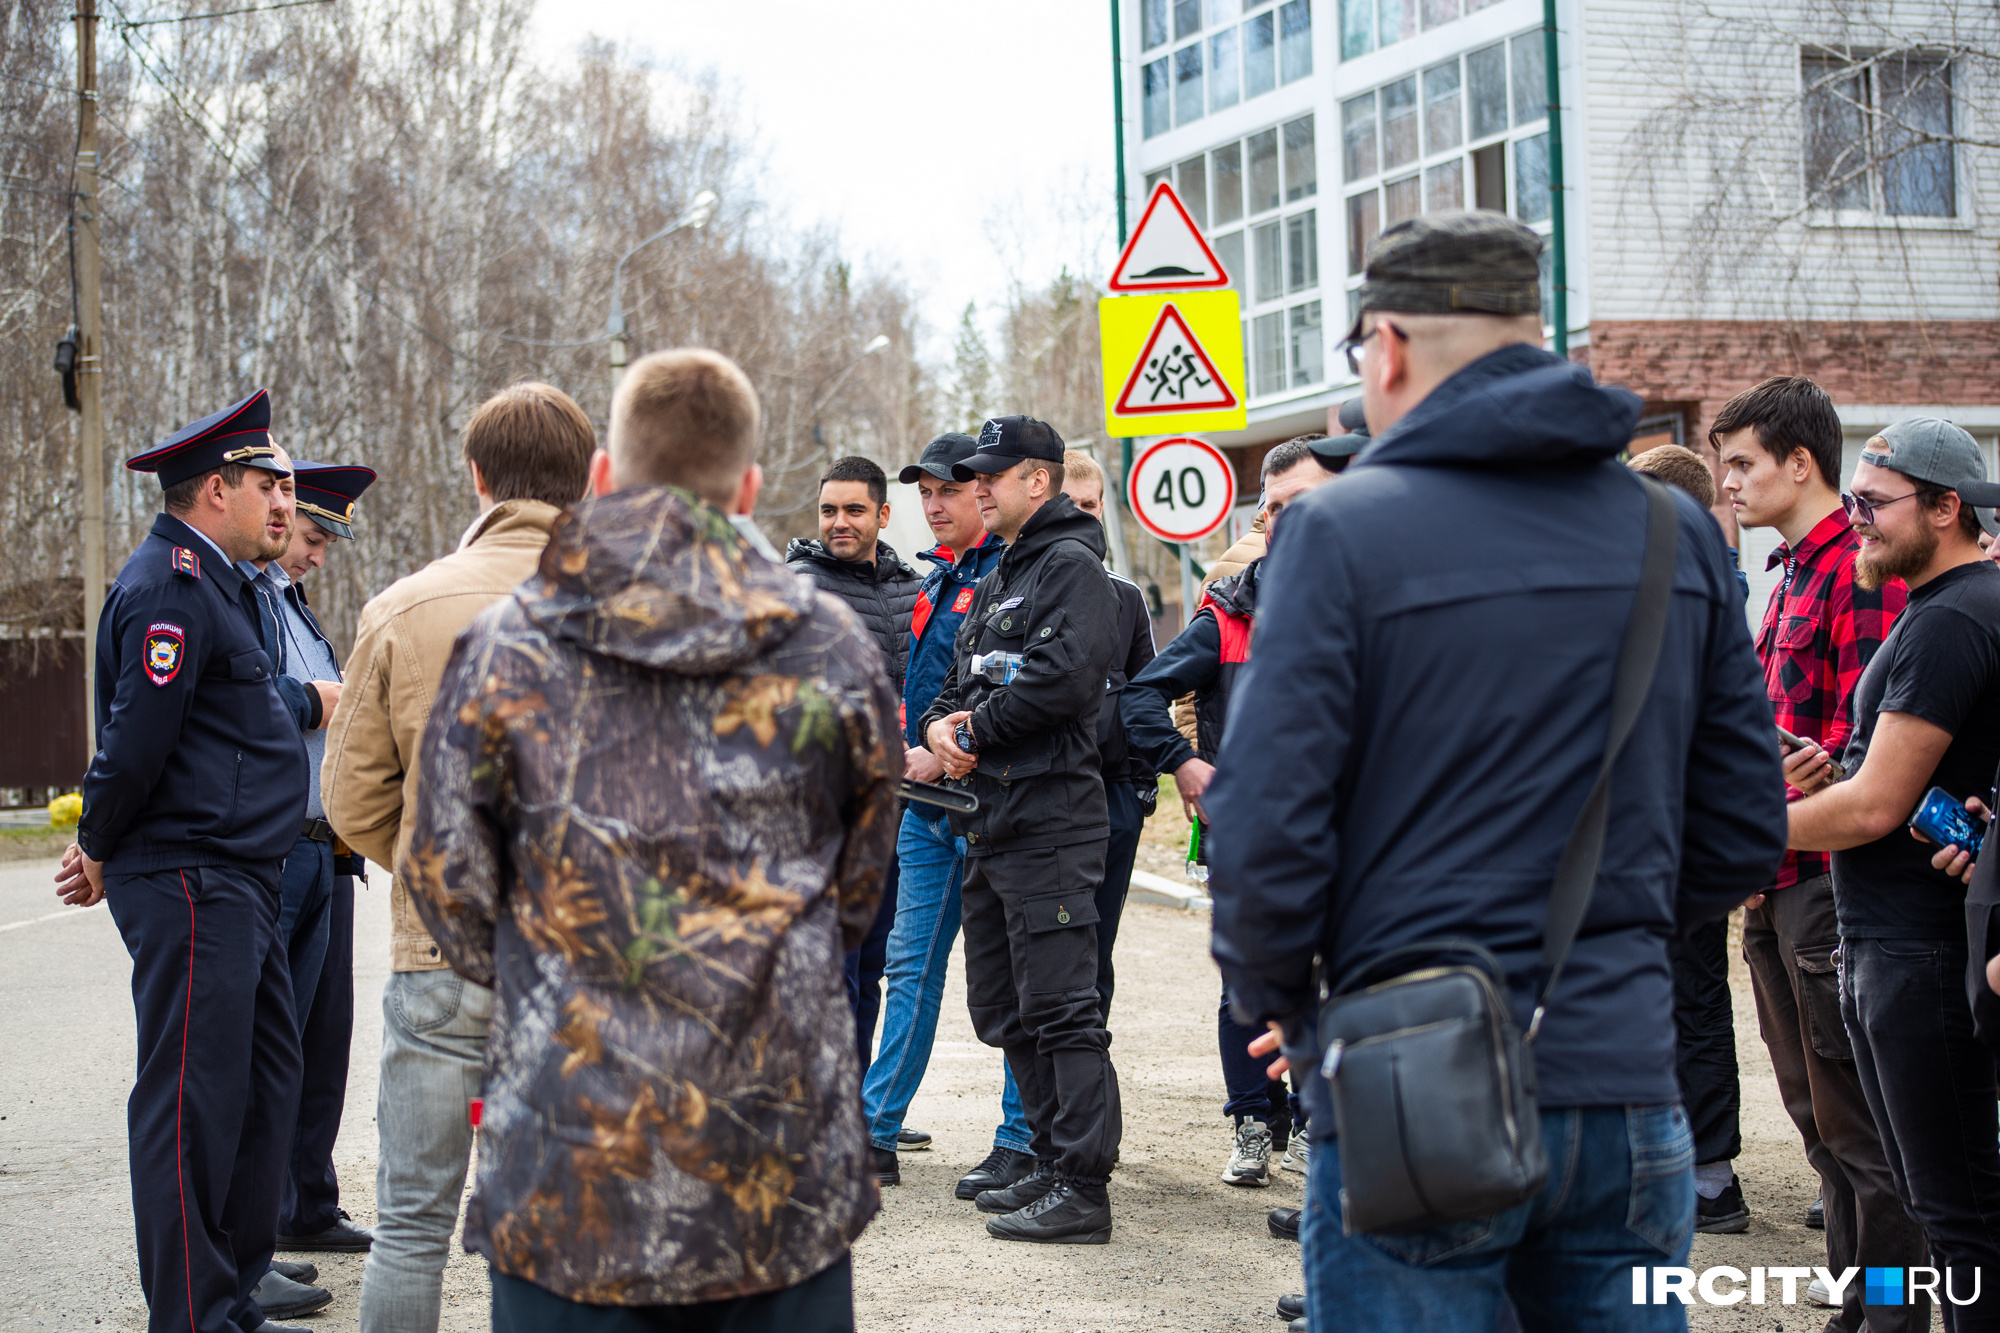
(1173, 373)
(1167, 252)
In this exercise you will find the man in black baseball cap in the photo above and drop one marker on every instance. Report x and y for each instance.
(1335, 452)
(1017, 723)
(1395, 678)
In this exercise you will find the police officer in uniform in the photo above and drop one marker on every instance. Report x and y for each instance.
(318, 890)
(1017, 719)
(192, 802)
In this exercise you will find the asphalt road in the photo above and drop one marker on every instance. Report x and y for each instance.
(1188, 1253)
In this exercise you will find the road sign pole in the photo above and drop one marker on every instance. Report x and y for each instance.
(1187, 582)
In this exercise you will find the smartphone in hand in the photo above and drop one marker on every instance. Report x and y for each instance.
(1788, 743)
(1943, 819)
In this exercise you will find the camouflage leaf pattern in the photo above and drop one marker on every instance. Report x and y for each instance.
(659, 793)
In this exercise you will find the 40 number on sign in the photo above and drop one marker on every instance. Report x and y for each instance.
(1181, 489)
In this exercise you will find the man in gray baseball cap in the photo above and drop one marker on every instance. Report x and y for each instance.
(1926, 716)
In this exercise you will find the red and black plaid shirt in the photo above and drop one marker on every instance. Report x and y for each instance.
(1820, 632)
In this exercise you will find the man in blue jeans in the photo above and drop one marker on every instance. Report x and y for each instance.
(931, 857)
(1426, 730)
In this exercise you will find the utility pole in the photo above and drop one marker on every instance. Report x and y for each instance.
(90, 359)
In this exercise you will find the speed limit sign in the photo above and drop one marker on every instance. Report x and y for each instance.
(1181, 489)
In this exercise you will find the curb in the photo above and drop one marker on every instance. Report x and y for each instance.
(1158, 889)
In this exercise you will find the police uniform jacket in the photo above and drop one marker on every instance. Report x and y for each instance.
(199, 761)
(1050, 602)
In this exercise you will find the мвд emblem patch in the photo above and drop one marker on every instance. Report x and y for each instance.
(166, 645)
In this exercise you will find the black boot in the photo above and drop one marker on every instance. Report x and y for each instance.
(1284, 1223)
(1019, 1194)
(888, 1171)
(1291, 1307)
(1002, 1167)
(1068, 1214)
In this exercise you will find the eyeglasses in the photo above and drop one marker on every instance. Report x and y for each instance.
(1863, 511)
(1353, 347)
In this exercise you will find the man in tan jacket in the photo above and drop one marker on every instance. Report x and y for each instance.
(528, 449)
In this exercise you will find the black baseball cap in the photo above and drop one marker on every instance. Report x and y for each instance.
(1334, 450)
(938, 456)
(1005, 441)
(1462, 261)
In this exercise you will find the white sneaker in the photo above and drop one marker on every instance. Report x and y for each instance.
(1250, 1163)
(1298, 1155)
(1818, 1293)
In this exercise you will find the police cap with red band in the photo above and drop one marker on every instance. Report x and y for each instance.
(239, 433)
(327, 491)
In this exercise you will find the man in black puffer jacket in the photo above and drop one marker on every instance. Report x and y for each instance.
(852, 562)
(1023, 694)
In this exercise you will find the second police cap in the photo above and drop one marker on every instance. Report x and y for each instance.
(1462, 261)
(1005, 441)
(1934, 450)
(326, 493)
(938, 456)
(239, 433)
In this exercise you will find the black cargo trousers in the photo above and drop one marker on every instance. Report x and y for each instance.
(1030, 928)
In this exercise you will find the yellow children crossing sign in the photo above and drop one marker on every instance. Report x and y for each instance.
(1173, 351)
(1172, 363)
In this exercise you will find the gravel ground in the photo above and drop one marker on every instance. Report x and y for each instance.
(1188, 1253)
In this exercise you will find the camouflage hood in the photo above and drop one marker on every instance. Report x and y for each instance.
(657, 577)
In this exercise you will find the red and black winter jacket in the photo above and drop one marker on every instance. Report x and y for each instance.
(1203, 658)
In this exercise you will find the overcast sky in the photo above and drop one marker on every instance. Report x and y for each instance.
(958, 139)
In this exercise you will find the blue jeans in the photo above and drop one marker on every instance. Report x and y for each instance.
(932, 861)
(1620, 1195)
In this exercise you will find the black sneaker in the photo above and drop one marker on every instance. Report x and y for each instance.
(1724, 1215)
(1067, 1214)
(1002, 1167)
(1019, 1194)
(1291, 1307)
(912, 1140)
(343, 1237)
(1284, 1223)
(1816, 1215)
(888, 1171)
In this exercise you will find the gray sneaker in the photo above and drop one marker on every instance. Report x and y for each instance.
(1250, 1163)
(1298, 1155)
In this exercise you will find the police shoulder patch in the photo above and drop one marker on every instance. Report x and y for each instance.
(166, 646)
(185, 563)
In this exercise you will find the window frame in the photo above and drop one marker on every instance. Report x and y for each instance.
(1876, 215)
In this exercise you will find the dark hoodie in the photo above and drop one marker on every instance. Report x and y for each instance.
(1050, 601)
(1428, 704)
(659, 791)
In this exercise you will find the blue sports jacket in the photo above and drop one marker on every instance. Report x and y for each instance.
(941, 603)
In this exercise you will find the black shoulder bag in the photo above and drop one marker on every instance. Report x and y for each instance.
(1433, 1082)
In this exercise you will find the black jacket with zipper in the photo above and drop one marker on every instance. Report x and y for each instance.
(1051, 601)
(882, 592)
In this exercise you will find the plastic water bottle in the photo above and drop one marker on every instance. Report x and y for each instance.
(1197, 859)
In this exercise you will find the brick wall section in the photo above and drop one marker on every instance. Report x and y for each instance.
(1698, 365)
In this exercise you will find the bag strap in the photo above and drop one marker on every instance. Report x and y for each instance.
(1576, 873)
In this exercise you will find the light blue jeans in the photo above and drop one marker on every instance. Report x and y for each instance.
(1620, 1195)
(927, 916)
(433, 1060)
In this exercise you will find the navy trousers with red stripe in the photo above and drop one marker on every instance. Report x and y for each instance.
(212, 1110)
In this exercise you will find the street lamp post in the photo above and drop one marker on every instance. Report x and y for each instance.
(875, 344)
(694, 219)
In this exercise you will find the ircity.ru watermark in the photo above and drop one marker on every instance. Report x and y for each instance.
(1787, 1286)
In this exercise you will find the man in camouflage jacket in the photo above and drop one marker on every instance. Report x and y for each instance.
(659, 792)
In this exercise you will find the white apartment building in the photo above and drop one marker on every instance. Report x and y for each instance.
(1750, 189)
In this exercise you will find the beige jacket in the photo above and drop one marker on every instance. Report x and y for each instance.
(1250, 546)
(405, 636)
